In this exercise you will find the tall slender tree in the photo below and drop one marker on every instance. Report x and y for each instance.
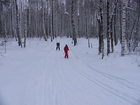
(123, 27)
(73, 22)
(108, 28)
(115, 22)
(43, 20)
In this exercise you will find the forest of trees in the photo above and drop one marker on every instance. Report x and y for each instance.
(114, 21)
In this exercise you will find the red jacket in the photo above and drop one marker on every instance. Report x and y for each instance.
(66, 48)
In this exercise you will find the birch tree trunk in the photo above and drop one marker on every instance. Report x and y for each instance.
(25, 30)
(73, 22)
(18, 25)
(120, 13)
(52, 24)
(101, 29)
(115, 21)
(108, 29)
(136, 37)
(43, 21)
(123, 27)
(128, 38)
(111, 34)
(101, 38)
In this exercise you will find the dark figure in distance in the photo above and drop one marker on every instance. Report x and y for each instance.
(66, 49)
(57, 46)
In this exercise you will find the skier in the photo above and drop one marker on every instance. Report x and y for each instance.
(66, 49)
(57, 46)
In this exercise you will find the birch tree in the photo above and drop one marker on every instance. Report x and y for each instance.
(25, 22)
(43, 20)
(123, 27)
(73, 21)
(18, 24)
(100, 22)
(115, 22)
(73, 18)
(108, 28)
(101, 29)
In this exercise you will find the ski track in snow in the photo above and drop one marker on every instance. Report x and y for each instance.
(67, 82)
(111, 77)
(121, 80)
(92, 76)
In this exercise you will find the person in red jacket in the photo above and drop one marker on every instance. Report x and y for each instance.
(66, 49)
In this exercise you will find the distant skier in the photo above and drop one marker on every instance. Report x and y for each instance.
(57, 46)
(66, 49)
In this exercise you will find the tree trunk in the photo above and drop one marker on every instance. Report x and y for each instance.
(115, 16)
(43, 21)
(101, 29)
(123, 28)
(73, 22)
(108, 29)
(52, 24)
(25, 30)
(99, 34)
(136, 37)
(18, 26)
(111, 34)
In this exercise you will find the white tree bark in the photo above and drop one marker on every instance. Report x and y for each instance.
(123, 27)
(25, 30)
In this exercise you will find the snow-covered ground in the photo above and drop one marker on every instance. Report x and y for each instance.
(40, 75)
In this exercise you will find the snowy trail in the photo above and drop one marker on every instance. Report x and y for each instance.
(44, 77)
(103, 81)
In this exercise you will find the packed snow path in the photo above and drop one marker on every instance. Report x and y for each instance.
(42, 76)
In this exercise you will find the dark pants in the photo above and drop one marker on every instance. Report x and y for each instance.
(57, 46)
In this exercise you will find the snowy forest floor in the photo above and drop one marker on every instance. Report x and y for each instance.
(40, 75)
